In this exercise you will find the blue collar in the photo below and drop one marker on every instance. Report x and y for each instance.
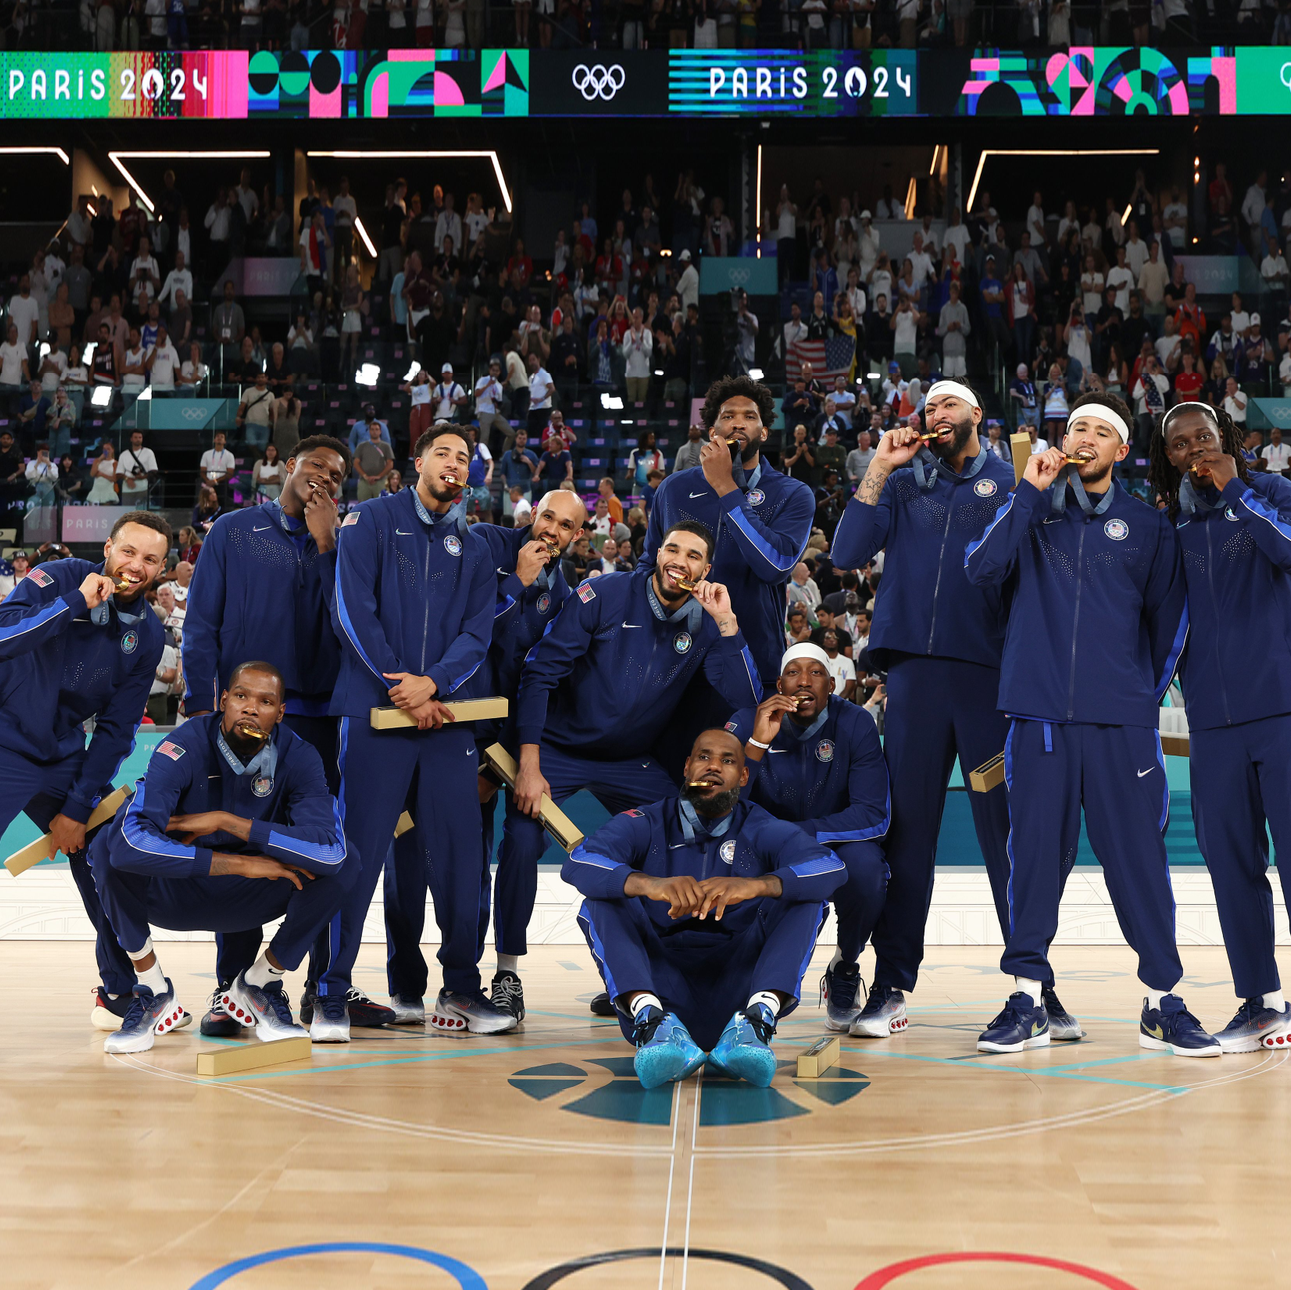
(101, 614)
(689, 613)
(290, 526)
(925, 459)
(746, 482)
(803, 735)
(263, 764)
(453, 518)
(1058, 503)
(1192, 500)
(695, 825)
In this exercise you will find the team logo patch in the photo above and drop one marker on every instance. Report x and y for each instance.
(681, 642)
(39, 577)
(727, 851)
(985, 488)
(756, 497)
(825, 750)
(1229, 513)
(351, 518)
(585, 593)
(731, 726)
(1117, 530)
(173, 751)
(544, 603)
(453, 545)
(130, 642)
(262, 786)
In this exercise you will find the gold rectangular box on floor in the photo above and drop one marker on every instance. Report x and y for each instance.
(492, 709)
(249, 1057)
(550, 816)
(1176, 745)
(987, 775)
(34, 852)
(817, 1059)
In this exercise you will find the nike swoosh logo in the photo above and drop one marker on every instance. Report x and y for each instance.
(1155, 1031)
(1149, 771)
(470, 752)
(699, 494)
(408, 533)
(777, 750)
(263, 529)
(633, 624)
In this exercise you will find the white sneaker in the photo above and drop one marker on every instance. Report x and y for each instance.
(331, 1023)
(458, 1013)
(264, 1007)
(150, 1014)
(407, 1012)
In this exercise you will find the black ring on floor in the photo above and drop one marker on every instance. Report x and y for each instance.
(782, 1277)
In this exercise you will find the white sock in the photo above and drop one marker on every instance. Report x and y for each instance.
(154, 978)
(261, 972)
(508, 963)
(645, 1000)
(836, 960)
(767, 997)
(1033, 988)
(1275, 1001)
(1155, 997)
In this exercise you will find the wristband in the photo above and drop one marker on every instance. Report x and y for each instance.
(757, 743)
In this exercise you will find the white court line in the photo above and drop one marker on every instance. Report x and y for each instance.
(690, 1189)
(672, 1164)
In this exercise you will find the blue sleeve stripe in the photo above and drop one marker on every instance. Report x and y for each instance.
(142, 838)
(25, 625)
(581, 855)
(976, 543)
(755, 681)
(814, 868)
(462, 680)
(332, 853)
(1263, 511)
(504, 606)
(1172, 660)
(546, 631)
(854, 835)
(764, 548)
(344, 615)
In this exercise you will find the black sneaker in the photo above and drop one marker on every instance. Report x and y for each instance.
(507, 994)
(217, 1024)
(840, 986)
(367, 1012)
(308, 1000)
(602, 1006)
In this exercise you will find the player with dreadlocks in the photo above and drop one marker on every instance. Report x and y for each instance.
(1235, 530)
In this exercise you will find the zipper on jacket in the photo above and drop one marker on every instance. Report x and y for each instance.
(1210, 578)
(1075, 622)
(941, 559)
(425, 595)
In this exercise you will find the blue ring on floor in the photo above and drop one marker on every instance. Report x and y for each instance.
(467, 1278)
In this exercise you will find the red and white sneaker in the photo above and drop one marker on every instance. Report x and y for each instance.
(460, 1014)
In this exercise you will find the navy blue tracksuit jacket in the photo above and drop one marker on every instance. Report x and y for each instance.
(703, 971)
(760, 534)
(1096, 625)
(1236, 676)
(261, 590)
(939, 638)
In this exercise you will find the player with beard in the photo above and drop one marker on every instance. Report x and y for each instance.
(1097, 621)
(79, 642)
(414, 609)
(760, 519)
(1234, 526)
(231, 827)
(531, 589)
(940, 640)
(701, 913)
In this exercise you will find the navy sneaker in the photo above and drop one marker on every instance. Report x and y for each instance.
(1253, 1025)
(1171, 1028)
(329, 1020)
(884, 1013)
(217, 1024)
(367, 1012)
(459, 1013)
(264, 1007)
(840, 985)
(744, 1049)
(1063, 1027)
(150, 1014)
(507, 994)
(603, 1006)
(1023, 1024)
(665, 1050)
(308, 998)
(107, 1012)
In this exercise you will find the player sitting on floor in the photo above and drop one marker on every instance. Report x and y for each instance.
(701, 913)
(174, 857)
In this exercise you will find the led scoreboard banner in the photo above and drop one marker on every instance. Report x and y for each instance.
(369, 84)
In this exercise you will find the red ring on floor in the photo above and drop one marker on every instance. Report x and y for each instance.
(885, 1276)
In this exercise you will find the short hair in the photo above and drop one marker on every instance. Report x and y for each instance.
(437, 431)
(737, 387)
(695, 527)
(258, 665)
(313, 441)
(147, 519)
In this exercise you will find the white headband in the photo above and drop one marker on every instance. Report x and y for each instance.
(952, 387)
(804, 650)
(1196, 406)
(1103, 413)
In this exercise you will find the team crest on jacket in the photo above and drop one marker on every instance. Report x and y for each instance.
(825, 750)
(1117, 530)
(681, 642)
(262, 786)
(985, 488)
(732, 726)
(727, 851)
(453, 545)
(756, 497)
(544, 603)
(1229, 513)
(130, 642)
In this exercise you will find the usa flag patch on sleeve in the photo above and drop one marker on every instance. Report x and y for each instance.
(634, 813)
(173, 751)
(40, 577)
(585, 593)
(351, 518)
(731, 726)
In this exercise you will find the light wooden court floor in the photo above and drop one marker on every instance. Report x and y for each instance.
(513, 1163)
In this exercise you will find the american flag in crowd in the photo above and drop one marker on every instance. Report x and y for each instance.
(828, 358)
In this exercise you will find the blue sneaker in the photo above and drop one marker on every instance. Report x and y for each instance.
(1023, 1024)
(1254, 1025)
(744, 1049)
(148, 1015)
(665, 1050)
(264, 1007)
(840, 986)
(329, 1019)
(1171, 1028)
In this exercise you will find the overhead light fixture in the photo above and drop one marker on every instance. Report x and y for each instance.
(101, 396)
(611, 403)
(36, 150)
(241, 154)
(363, 233)
(757, 212)
(1051, 152)
(403, 154)
(932, 170)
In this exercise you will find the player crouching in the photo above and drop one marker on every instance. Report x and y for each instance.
(702, 913)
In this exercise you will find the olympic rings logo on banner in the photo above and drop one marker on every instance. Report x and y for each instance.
(598, 81)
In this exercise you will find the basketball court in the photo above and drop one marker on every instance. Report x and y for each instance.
(535, 1160)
